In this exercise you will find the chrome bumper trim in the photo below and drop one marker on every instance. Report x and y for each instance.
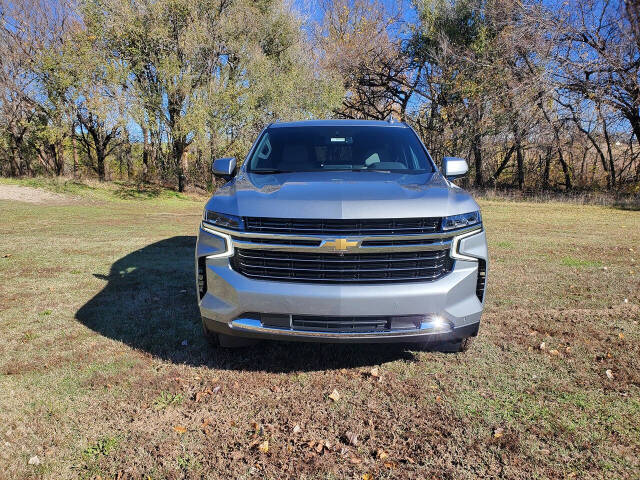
(438, 326)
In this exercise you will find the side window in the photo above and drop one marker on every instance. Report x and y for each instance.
(262, 155)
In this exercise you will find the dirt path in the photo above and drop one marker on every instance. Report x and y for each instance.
(32, 195)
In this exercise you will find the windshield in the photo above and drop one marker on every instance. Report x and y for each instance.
(317, 149)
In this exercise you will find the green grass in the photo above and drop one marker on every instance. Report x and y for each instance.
(103, 446)
(576, 262)
(97, 297)
(166, 399)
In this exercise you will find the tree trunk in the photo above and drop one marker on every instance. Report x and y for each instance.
(565, 170)
(74, 150)
(58, 157)
(503, 165)
(477, 157)
(145, 155)
(179, 151)
(547, 168)
(100, 157)
(612, 166)
(519, 156)
(520, 163)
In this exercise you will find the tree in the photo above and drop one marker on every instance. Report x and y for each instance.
(598, 51)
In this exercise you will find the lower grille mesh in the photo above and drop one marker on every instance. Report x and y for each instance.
(340, 324)
(347, 268)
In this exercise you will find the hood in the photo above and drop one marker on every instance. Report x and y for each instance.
(338, 195)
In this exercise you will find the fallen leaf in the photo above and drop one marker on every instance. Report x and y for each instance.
(296, 428)
(554, 352)
(390, 464)
(438, 398)
(355, 460)
(352, 438)
(367, 476)
(216, 389)
(335, 396)
(543, 346)
(200, 395)
(205, 425)
(381, 454)
(375, 372)
(621, 336)
(609, 374)
(498, 432)
(180, 429)
(545, 451)
(34, 460)
(264, 446)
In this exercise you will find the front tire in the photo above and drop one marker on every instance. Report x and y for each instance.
(456, 346)
(212, 338)
(220, 340)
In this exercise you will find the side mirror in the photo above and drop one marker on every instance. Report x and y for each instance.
(454, 167)
(224, 167)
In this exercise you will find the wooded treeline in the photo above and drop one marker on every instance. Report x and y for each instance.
(536, 96)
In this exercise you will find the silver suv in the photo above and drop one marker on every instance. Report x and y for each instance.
(341, 231)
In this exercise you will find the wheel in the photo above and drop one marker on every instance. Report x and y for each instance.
(211, 337)
(456, 346)
(225, 341)
(465, 343)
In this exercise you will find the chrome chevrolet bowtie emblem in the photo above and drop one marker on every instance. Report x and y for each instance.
(340, 244)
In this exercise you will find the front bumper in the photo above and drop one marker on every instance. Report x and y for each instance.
(451, 306)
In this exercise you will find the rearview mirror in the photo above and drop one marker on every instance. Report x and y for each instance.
(454, 167)
(224, 167)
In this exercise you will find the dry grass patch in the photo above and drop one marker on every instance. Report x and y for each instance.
(96, 380)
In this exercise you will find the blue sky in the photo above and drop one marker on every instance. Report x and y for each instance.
(311, 8)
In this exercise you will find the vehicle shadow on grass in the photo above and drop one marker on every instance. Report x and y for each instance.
(149, 303)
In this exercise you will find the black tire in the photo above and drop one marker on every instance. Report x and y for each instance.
(220, 340)
(465, 344)
(211, 337)
(456, 346)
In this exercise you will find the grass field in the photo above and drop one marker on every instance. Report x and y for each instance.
(104, 373)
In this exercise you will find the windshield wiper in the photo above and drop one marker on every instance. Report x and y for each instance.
(268, 170)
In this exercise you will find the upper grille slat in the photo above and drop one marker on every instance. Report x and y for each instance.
(247, 254)
(347, 268)
(343, 226)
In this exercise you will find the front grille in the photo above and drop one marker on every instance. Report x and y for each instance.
(347, 268)
(340, 324)
(304, 226)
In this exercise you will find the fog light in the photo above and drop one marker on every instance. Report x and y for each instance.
(437, 323)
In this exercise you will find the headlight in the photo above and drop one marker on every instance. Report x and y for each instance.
(223, 220)
(462, 220)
